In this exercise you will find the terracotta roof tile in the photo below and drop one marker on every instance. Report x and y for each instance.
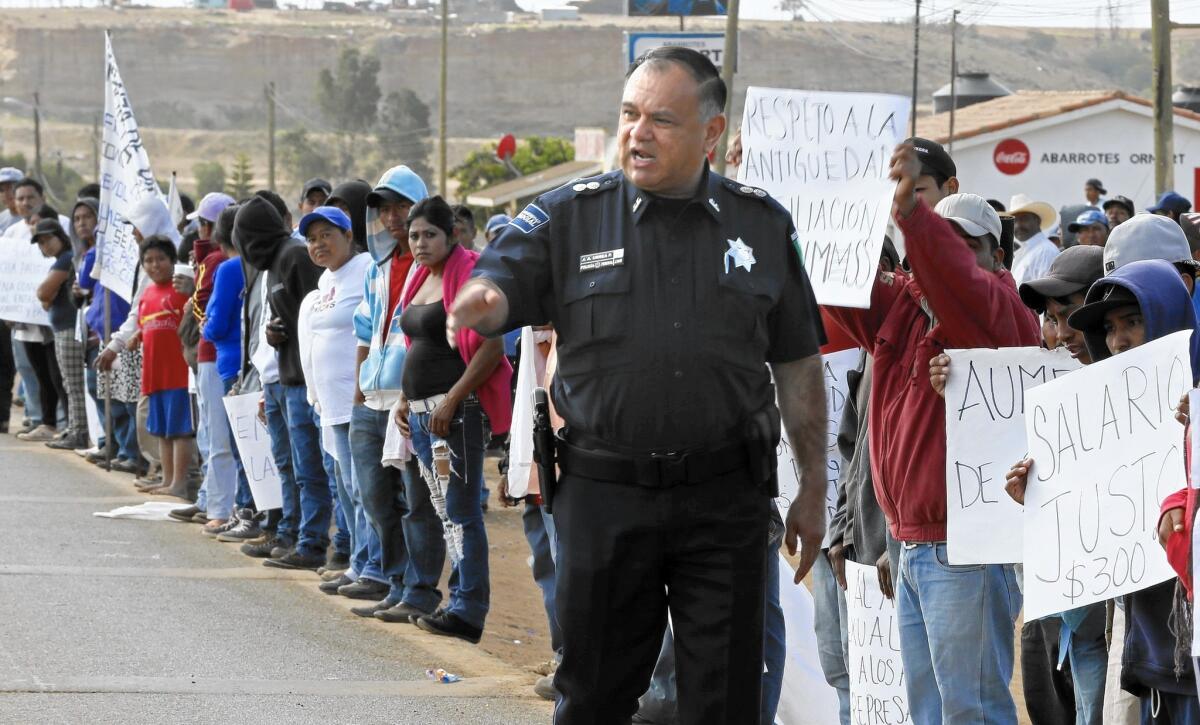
(1019, 108)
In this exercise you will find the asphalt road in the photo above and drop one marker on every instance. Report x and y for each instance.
(151, 622)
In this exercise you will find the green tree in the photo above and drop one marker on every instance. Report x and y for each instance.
(210, 177)
(348, 97)
(482, 169)
(302, 157)
(241, 180)
(402, 134)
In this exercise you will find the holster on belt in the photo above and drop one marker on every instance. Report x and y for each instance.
(762, 442)
(544, 453)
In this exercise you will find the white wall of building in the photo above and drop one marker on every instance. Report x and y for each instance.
(1112, 141)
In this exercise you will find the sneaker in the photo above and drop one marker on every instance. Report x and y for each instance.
(330, 586)
(200, 518)
(369, 610)
(329, 576)
(185, 514)
(85, 452)
(545, 689)
(68, 442)
(41, 434)
(246, 529)
(282, 550)
(261, 549)
(125, 465)
(365, 589)
(402, 613)
(448, 624)
(296, 559)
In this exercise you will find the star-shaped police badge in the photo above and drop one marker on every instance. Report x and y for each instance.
(741, 255)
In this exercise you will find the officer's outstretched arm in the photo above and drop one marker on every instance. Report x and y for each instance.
(801, 392)
(481, 306)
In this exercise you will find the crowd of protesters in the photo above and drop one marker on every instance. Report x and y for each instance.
(335, 314)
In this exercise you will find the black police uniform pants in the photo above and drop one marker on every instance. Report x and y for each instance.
(626, 556)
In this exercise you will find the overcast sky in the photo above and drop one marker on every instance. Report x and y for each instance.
(1067, 13)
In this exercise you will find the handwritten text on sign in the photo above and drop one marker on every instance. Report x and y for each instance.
(835, 365)
(254, 447)
(825, 156)
(877, 694)
(22, 269)
(1106, 450)
(125, 178)
(985, 435)
(1194, 432)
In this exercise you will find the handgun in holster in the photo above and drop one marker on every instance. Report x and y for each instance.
(544, 453)
(762, 442)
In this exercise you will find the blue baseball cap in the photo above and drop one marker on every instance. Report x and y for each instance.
(1172, 202)
(1087, 219)
(398, 183)
(331, 214)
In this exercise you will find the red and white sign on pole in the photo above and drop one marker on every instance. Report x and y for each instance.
(1011, 156)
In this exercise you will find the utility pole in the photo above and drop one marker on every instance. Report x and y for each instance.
(37, 138)
(270, 94)
(728, 68)
(96, 146)
(953, 75)
(916, 59)
(1164, 112)
(442, 101)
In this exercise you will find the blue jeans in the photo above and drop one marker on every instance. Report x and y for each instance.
(956, 637)
(539, 532)
(397, 506)
(341, 531)
(29, 382)
(1168, 708)
(831, 626)
(364, 542)
(221, 475)
(123, 426)
(281, 451)
(312, 485)
(470, 588)
(1089, 667)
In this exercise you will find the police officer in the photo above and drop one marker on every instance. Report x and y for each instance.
(670, 287)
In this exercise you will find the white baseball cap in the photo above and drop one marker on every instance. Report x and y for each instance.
(10, 175)
(971, 213)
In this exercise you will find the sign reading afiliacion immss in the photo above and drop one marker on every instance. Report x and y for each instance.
(825, 157)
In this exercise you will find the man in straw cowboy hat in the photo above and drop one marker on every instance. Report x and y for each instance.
(1031, 220)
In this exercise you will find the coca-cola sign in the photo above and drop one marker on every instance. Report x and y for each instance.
(1011, 156)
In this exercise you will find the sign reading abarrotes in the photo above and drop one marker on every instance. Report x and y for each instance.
(1107, 450)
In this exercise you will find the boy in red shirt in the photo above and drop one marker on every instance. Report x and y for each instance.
(164, 372)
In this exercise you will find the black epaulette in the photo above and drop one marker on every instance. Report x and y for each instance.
(595, 184)
(742, 190)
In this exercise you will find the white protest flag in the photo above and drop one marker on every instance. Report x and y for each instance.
(520, 452)
(824, 156)
(254, 447)
(174, 202)
(1194, 433)
(834, 367)
(1106, 450)
(125, 179)
(806, 698)
(877, 690)
(22, 269)
(985, 435)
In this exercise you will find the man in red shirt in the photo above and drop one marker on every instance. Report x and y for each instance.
(956, 622)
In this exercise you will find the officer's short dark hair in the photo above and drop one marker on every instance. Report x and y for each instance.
(437, 212)
(30, 181)
(712, 88)
(161, 243)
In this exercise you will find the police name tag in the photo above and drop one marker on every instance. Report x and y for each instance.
(602, 260)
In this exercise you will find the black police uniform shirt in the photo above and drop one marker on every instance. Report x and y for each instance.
(666, 309)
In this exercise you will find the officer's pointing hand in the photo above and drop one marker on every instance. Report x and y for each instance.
(805, 524)
(479, 306)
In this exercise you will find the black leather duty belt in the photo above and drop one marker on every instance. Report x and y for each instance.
(654, 470)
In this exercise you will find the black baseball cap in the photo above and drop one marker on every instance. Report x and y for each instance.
(49, 226)
(1074, 270)
(313, 184)
(934, 158)
(1119, 200)
(1095, 184)
(1090, 317)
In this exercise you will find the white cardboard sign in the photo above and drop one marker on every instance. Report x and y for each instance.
(825, 157)
(1107, 450)
(22, 269)
(985, 435)
(254, 446)
(877, 689)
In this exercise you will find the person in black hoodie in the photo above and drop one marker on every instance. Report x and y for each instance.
(268, 246)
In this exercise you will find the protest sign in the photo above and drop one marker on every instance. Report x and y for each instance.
(254, 447)
(125, 179)
(834, 367)
(805, 698)
(22, 269)
(1194, 433)
(877, 693)
(985, 435)
(1106, 451)
(824, 157)
(520, 453)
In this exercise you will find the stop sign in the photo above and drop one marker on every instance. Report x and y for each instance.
(1011, 156)
(507, 147)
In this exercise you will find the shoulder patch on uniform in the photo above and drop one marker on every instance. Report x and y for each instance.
(529, 219)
